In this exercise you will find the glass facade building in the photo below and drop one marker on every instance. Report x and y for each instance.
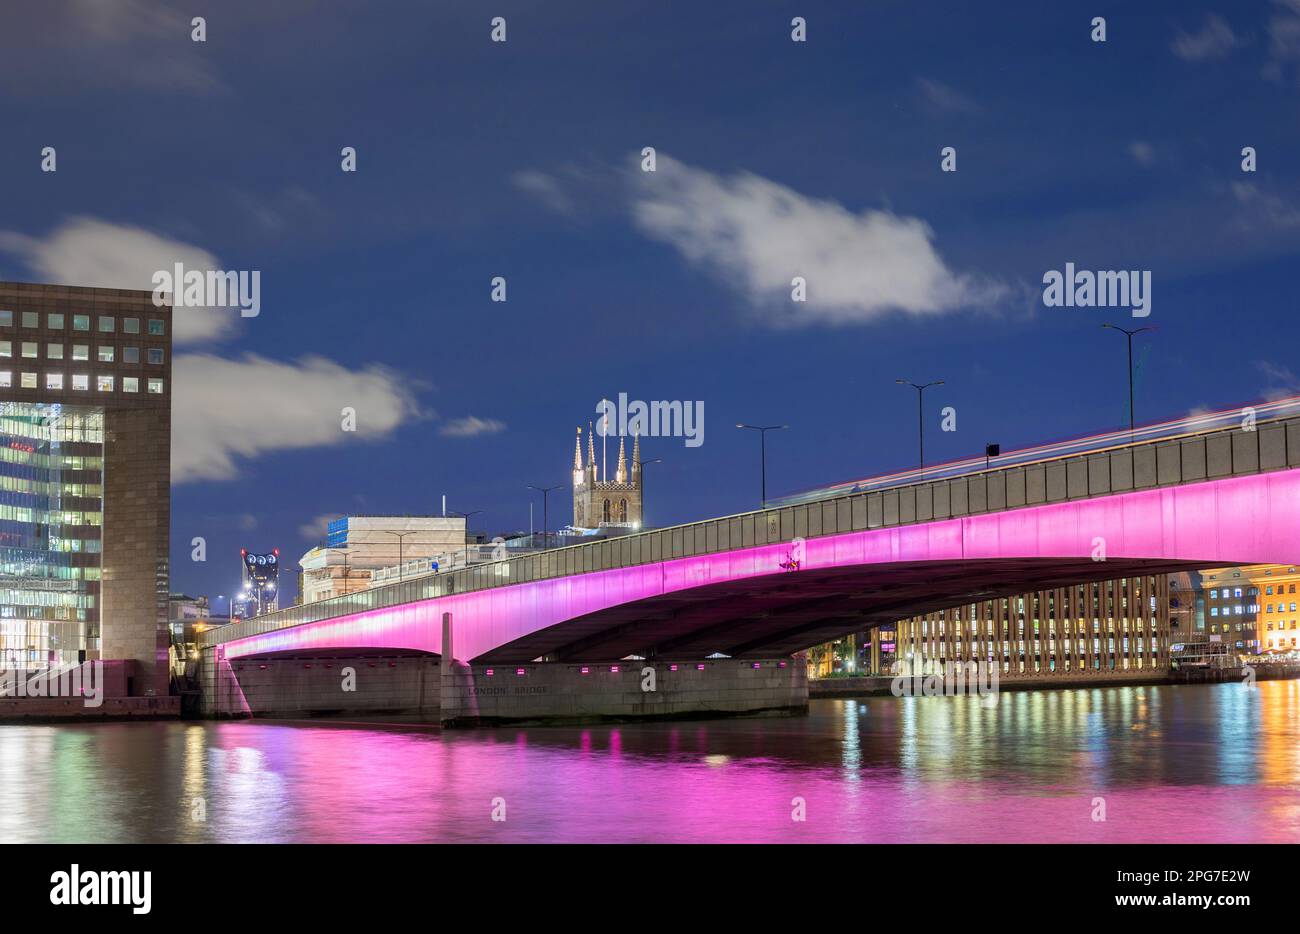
(51, 523)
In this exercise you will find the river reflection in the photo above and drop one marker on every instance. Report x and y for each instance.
(1186, 763)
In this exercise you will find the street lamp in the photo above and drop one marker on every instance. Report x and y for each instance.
(465, 516)
(401, 540)
(1129, 334)
(641, 465)
(545, 491)
(762, 448)
(920, 416)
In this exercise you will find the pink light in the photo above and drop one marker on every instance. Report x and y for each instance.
(756, 665)
(672, 667)
(586, 670)
(700, 666)
(489, 672)
(519, 671)
(614, 669)
(1239, 520)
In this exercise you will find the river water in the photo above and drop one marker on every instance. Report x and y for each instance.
(1168, 763)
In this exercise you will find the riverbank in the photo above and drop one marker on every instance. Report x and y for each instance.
(878, 686)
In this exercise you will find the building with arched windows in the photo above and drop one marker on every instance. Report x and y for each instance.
(606, 503)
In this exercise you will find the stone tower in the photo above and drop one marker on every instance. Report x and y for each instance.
(601, 503)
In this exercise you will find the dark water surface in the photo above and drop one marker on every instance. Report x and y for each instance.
(1185, 763)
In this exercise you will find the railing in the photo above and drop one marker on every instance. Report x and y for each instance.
(1088, 467)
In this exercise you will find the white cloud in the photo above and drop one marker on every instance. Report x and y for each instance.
(545, 188)
(1215, 39)
(946, 99)
(314, 529)
(1261, 210)
(86, 251)
(1281, 381)
(225, 410)
(470, 426)
(757, 235)
(1142, 153)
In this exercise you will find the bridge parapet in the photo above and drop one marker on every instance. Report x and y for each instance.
(1196, 457)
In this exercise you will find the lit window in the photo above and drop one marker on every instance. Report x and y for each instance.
(6, 379)
(131, 325)
(107, 324)
(31, 319)
(80, 351)
(53, 380)
(54, 320)
(54, 351)
(6, 348)
(80, 381)
(156, 356)
(130, 384)
(105, 354)
(156, 327)
(31, 350)
(130, 354)
(6, 319)
(29, 381)
(156, 386)
(81, 322)
(104, 383)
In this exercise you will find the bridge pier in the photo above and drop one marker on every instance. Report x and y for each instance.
(457, 694)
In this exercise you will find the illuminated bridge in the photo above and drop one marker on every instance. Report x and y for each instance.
(1208, 491)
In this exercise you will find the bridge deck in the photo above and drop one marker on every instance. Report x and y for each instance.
(1273, 443)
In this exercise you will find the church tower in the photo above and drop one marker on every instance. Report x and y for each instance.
(606, 503)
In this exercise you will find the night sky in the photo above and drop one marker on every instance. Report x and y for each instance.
(776, 158)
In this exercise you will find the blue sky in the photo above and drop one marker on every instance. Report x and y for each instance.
(519, 159)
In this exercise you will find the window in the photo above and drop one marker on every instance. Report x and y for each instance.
(80, 351)
(105, 354)
(131, 325)
(156, 386)
(31, 319)
(6, 348)
(31, 350)
(104, 383)
(156, 356)
(130, 384)
(53, 380)
(130, 354)
(6, 379)
(80, 381)
(156, 327)
(29, 381)
(107, 324)
(53, 320)
(81, 322)
(6, 319)
(54, 351)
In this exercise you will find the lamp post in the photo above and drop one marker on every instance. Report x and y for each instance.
(762, 456)
(1129, 334)
(545, 491)
(465, 516)
(401, 540)
(641, 466)
(920, 416)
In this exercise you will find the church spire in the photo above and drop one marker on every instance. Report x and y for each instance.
(636, 456)
(577, 452)
(591, 451)
(621, 473)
